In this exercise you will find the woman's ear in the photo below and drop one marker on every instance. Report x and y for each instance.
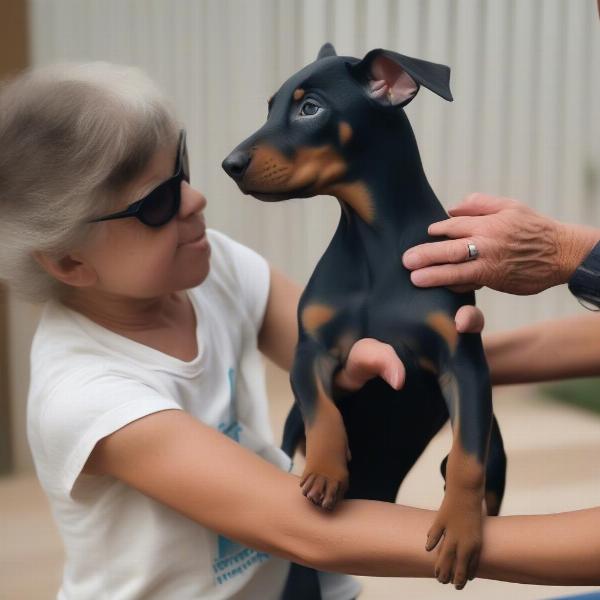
(71, 269)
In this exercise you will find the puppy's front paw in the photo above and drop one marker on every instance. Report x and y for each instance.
(324, 490)
(458, 531)
(325, 478)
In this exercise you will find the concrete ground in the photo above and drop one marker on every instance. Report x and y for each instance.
(553, 466)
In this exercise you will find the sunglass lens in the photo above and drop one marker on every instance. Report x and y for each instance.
(160, 206)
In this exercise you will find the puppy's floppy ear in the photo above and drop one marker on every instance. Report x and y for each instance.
(394, 79)
(326, 50)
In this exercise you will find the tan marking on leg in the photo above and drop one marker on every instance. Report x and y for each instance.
(315, 315)
(445, 326)
(464, 467)
(344, 345)
(327, 452)
(345, 132)
(298, 94)
(428, 365)
(451, 393)
(460, 515)
(492, 503)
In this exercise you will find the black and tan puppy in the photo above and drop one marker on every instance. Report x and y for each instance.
(337, 127)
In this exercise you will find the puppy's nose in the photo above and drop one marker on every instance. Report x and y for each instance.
(236, 163)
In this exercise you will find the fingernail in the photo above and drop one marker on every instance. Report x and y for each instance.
(410, 259)
(417, 277)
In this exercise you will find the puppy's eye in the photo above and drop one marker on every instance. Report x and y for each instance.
(309, 109)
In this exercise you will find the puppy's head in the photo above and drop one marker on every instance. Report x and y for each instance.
(323, 120)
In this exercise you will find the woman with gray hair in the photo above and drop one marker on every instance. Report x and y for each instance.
(147, 415)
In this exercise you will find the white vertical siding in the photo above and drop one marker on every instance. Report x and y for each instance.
(524, 123)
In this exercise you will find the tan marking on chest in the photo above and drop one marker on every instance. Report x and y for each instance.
(298, 94)
(357, 196)
(315, 315)
(345, 132)
(445, 326)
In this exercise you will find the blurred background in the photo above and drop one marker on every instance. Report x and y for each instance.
(524, 123)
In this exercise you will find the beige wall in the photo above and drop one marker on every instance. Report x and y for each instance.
(523, 123)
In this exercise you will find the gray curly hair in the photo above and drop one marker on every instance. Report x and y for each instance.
(72, 136)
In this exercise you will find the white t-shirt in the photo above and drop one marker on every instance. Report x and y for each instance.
(87, 382)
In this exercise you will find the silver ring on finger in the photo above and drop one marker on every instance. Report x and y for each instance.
(472, 251)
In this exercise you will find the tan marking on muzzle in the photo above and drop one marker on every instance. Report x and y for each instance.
(311, 167)
(315, 315)
(298, 94)
(345, 132)
(445, 326)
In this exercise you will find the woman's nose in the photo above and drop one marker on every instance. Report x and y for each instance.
(192, 200)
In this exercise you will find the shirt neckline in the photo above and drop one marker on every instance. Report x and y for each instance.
(149, 357)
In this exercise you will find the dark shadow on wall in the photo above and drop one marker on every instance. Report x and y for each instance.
(14, 56)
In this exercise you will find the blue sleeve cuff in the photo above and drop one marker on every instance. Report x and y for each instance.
(584, 284)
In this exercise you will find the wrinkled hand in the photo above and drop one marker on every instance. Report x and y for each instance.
(370, 358)
(520, 251)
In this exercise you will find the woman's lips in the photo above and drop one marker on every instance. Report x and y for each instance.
(198, 240)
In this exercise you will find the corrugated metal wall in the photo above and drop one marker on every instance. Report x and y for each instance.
(525, 77)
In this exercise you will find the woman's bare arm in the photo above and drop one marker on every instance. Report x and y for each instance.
(190, 467)
(549, 350)
(199, 472)
(279, 332)
(558, 549)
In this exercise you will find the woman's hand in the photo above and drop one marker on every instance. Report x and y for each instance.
(520, 251)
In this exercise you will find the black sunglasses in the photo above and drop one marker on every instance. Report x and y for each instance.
(162, 203)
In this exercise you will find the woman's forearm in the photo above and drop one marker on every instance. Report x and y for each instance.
(389, 540)
(559, 549)
(545, 351)
(364, 537)
(207, 477)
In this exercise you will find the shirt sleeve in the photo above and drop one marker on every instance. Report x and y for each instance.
(81, 411)
(584, 284)
(252, 273)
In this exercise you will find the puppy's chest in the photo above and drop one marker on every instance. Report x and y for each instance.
(419, 324)
(361, 298)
